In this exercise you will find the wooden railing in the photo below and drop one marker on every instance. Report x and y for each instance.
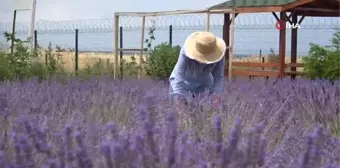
(261, 71)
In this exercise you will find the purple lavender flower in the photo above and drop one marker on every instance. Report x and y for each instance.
(106, 152)
(172, 136)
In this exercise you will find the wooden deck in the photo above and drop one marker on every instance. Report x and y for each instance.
(259, 69)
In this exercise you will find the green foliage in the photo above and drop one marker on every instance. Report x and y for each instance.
(5, 68)
(131, 69)
(323, 62)
(24, 63)
(151, 35)
(162, 59)
(20, 64)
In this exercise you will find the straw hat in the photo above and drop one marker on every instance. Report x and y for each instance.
(204, 47)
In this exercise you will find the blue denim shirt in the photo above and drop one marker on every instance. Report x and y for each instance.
(192, 76)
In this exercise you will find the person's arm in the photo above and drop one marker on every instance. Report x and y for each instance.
(177, 77)
(218, 74)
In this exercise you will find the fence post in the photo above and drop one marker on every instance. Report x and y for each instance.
(260, 54)
(35, 39)
(261, 58)
(170, 35)
(141, 47)
(121, 51)
(13, 31)
(35, 43)
(267, 77)
(76, 51)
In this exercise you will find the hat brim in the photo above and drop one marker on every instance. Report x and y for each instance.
(193, 53)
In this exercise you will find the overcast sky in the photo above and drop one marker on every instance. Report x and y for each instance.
(86, 9)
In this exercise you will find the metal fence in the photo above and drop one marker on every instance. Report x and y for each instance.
(253, 32)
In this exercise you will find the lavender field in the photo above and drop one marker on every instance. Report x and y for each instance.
(102, 123)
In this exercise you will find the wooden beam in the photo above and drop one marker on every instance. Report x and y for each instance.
(230, 20)
(318, 14)
(316, 10)
(265, 64)
(261, 9)
(288, 20)
(220, 11)
(255, 73)
(231, 45)
(282, 44)
(276, 17)
(324, 4)
(141, 46)
(158, 13)
(294, 44)
(116, 41)
(226, 37)
(288, 17)
(255, 64)
(258, 9)
(295, 4)
(208, 22)
(294, 65)
(301, 19)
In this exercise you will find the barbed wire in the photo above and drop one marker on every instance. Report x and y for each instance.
(178, 22)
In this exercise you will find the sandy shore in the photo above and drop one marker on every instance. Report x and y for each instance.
(90, 58)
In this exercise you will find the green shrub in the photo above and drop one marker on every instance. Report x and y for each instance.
(6, 72)
(23, 63)
(161, 61)
(323, 62)
(38, 70)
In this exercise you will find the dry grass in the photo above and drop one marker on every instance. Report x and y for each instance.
(84, 59)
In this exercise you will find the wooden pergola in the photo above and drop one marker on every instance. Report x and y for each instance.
(303, 8)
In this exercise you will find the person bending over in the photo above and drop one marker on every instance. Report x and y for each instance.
(200, 68)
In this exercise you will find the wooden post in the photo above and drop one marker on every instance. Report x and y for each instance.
(13, 31)
(141, 47)
(32, 26)
(231, 45)
(208, 22)
(282, 45)
(226, 37)
(116, 35)
(294, 44)
(121, 51)
(76, 51)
